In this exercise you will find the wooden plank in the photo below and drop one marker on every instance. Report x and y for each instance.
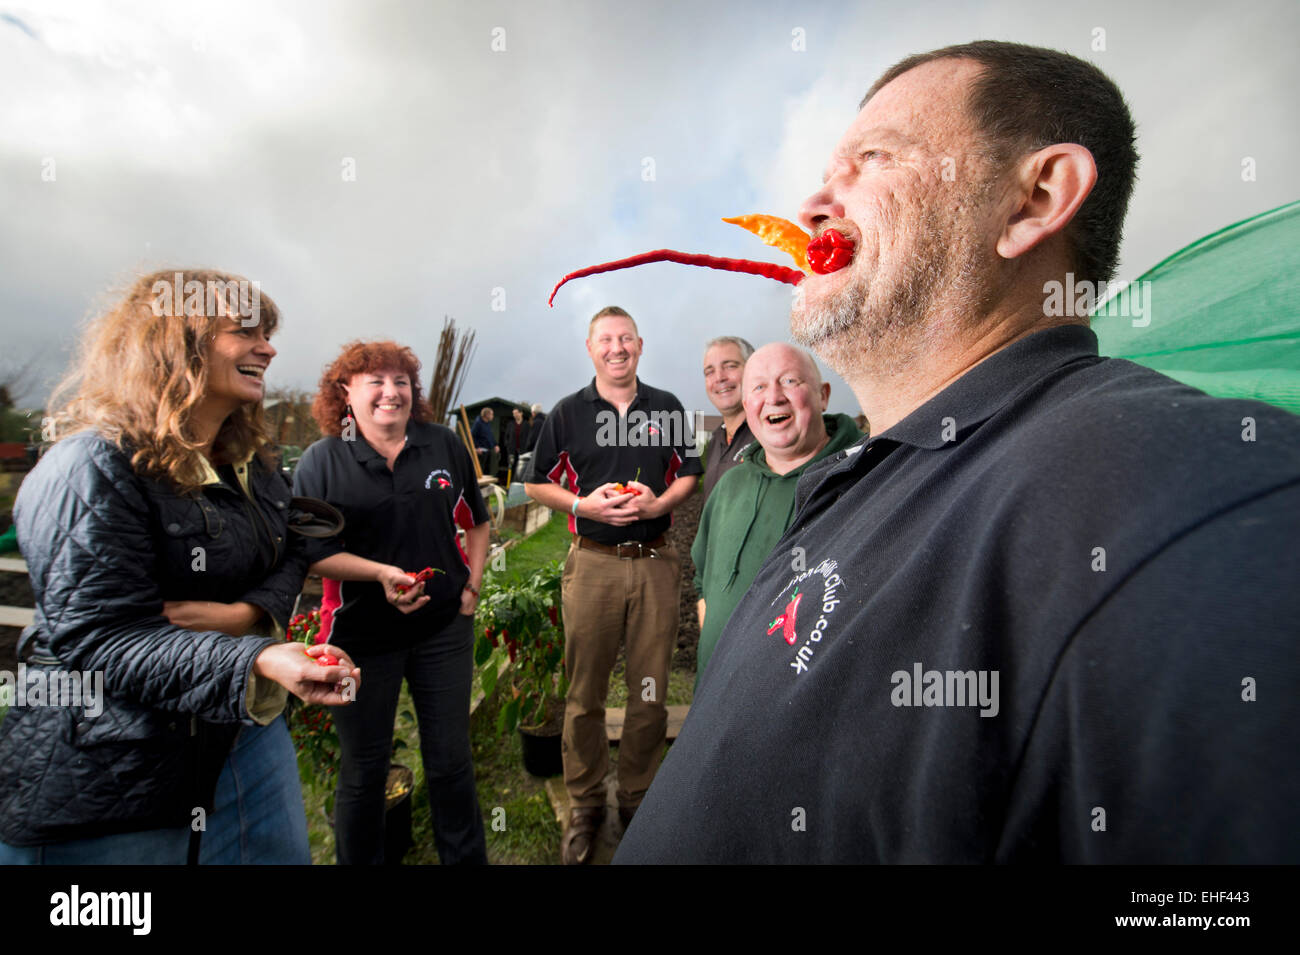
(615, 717)
(16, 616)
(14, 565)
(468, 437)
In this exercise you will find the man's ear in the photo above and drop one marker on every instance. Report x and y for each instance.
(1051, 185)
(826, 395)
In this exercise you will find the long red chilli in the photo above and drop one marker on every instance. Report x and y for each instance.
(768, 270)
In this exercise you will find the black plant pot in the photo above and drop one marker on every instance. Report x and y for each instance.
(541, 753)
(397, 814)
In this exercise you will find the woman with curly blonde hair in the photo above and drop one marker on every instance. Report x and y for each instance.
(404, 485)
(155, 531)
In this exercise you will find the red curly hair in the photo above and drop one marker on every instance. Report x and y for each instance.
(358, 358)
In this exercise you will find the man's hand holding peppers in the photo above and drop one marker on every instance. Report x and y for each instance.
(611, 504)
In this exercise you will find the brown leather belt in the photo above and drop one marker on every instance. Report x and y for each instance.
(628, 550)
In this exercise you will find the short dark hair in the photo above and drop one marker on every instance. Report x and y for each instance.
(607, 312)
(1029, 97)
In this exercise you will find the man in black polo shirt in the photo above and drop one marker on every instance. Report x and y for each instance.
(621, 576)
(1048, 611)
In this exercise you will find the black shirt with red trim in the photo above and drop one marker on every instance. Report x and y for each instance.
(1024, 624)
(584, 444)
(406, 517)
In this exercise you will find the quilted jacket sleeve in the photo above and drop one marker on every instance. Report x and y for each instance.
(84, 527)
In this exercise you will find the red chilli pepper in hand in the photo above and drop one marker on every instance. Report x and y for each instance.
(767, 270)
(426, 574)
(325, 659)
(829, 252)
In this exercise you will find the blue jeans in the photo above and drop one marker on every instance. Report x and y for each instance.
(257, 817)
(439, 670)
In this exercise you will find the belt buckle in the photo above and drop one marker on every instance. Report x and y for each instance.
(620, 546)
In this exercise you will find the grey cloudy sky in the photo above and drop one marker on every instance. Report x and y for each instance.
(215, 134)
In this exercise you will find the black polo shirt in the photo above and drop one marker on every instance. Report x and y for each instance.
(722, 455)
(584, 444)
(406, 517)
(1117, 549)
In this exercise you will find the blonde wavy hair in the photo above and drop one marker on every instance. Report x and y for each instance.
(141, 369)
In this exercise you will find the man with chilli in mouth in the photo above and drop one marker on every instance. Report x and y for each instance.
(1033, 606)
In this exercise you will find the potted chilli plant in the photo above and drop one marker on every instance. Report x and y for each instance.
(310, 725)
(317, 743)
(524, 618)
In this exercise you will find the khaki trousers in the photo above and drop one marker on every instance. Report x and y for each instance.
(606, 598)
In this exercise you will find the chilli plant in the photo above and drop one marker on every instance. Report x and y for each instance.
(524, 618)
(311, 725)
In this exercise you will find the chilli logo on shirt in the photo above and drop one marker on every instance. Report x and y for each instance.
(791, 601)
(440, 476)
(787, 619)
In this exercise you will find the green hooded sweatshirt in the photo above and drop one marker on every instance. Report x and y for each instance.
(747, 513)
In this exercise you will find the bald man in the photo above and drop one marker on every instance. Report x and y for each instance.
(785, 403)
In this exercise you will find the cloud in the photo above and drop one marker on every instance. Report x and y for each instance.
(219, 136)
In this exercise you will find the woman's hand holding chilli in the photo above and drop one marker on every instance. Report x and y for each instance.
(295, 668)
(413, 599)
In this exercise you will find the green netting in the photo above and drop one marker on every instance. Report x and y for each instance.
(1222, 315)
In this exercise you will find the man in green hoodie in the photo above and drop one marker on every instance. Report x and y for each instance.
(753, 503)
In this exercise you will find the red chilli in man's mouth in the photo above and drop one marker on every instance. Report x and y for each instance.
(829, 252)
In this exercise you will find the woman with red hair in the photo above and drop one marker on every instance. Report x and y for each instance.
(404, 485)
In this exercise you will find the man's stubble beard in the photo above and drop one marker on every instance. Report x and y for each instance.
(887, 326)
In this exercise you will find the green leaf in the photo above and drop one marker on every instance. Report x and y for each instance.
(482, 650)
(489, 677)
(509, 718)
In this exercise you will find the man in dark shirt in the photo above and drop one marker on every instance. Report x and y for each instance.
(724, 364)
(620, 446)
(484, 441)
(1027, 619)
(515, 440)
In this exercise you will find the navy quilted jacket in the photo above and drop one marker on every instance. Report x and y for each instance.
(104, 548)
